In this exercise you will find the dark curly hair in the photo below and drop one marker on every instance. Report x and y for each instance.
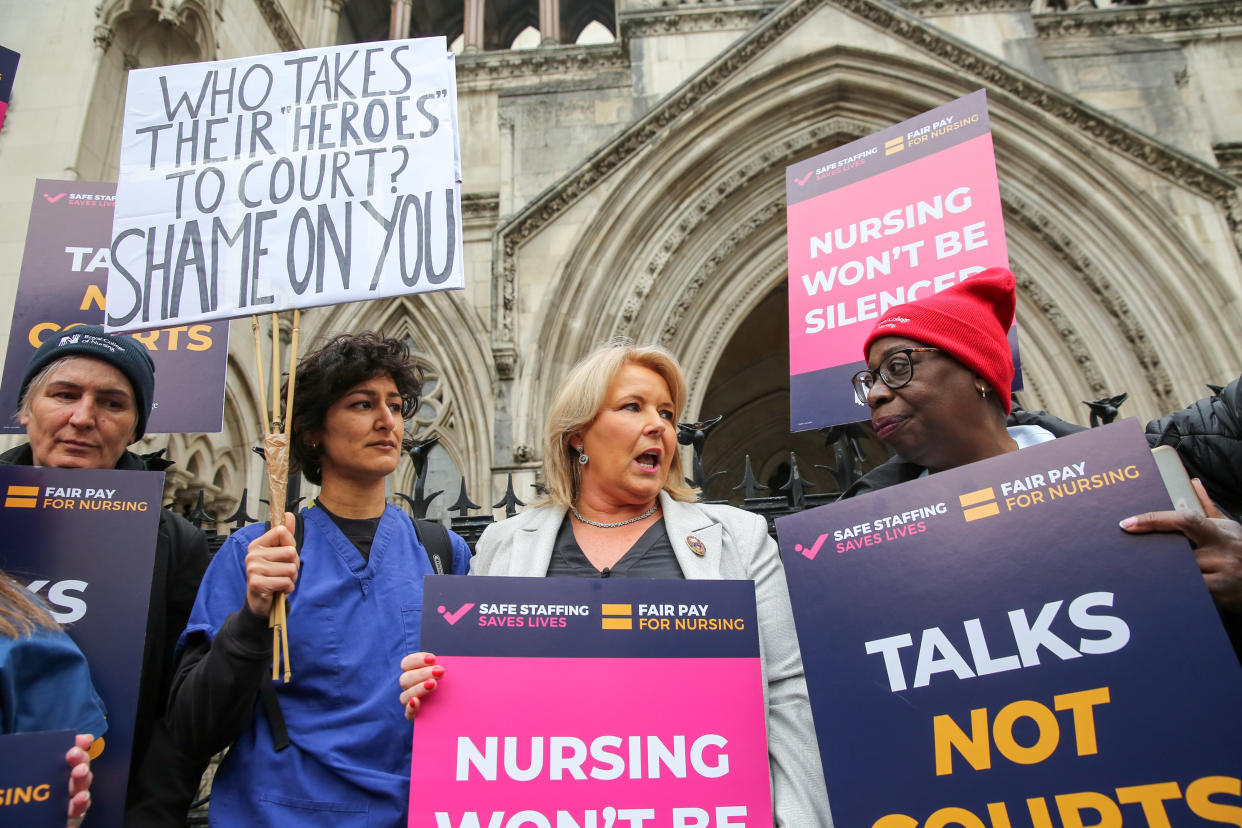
(326, 374)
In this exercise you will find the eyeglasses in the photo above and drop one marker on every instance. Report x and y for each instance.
(895, 371)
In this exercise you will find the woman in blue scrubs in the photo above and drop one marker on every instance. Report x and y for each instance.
(355, 601)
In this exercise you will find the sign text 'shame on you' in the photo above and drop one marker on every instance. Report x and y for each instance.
(291, 180)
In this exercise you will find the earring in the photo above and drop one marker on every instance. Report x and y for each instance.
(983, 393)
(582, 457)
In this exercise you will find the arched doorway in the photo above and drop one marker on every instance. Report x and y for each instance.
(750, 389)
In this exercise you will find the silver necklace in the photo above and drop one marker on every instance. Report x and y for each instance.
(645, 514)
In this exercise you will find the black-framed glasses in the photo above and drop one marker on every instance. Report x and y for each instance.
(895, 371)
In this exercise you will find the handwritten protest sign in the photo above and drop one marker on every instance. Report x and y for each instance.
(84, 541)
(986, 647)
(576, 737)
(286, 181)
(34, 778)
(8, 68)
(64, 274)
(879, 222)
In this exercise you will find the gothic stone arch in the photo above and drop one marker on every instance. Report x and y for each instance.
(675, 229)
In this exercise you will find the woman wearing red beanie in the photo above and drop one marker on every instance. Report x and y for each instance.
(938, 382)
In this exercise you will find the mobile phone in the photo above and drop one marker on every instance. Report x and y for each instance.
(1176, 481)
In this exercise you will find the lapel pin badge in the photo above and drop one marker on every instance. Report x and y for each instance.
(696, 546)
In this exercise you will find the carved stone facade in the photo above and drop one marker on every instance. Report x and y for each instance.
(636, 187)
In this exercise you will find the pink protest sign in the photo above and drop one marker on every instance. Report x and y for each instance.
(603, 703)
(879, 222)
(8, 68)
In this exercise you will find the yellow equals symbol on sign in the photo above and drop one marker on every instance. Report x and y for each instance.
(626, 623)
(980, 507)
(894, 145)
(21, 497)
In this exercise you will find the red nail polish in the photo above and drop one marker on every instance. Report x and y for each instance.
(437, 671)
(429, 684)
(414, 702)
(429, 660)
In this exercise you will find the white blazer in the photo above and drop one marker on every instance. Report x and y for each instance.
(738, 548)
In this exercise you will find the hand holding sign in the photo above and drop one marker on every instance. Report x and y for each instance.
(1217, 541)
(419, 676)
(83, 541)
(80, 777)
(271, 567)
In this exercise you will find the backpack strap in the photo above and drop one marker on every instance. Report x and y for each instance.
(275, 717)
(267, 692)
(435, 539)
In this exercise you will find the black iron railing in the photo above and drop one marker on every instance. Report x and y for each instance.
(800, 491)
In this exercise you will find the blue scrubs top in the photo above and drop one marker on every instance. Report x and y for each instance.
(45, 685)
(351, 621)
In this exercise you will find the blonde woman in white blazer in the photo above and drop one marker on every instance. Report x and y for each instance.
(618, 508)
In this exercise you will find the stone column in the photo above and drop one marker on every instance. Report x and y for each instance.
(399, 19)
(550, 22)
(472, 26)
(329, 20)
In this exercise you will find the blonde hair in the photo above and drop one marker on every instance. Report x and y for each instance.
(21, 614)
(578, 400)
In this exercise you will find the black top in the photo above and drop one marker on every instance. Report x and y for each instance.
(1208, 437)
(651, 556)
(358, 531)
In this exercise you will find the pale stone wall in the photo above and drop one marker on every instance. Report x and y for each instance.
(46, 115)
(243, 30)
(1214, 69)
(1170, 69)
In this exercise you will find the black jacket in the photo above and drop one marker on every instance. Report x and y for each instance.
(1208, 437)
(163, 780)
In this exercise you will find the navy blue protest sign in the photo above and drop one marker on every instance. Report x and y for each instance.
(84, 541)
(571, 701)
(986, 647)
(63, 278)
(34, 778)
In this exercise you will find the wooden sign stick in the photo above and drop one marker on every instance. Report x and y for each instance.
(276, 452)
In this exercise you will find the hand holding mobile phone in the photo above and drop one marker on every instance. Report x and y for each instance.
(1176, 481)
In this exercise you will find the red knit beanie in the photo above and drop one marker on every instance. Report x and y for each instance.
(968, 320)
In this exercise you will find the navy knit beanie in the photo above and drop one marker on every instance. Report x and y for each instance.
(126, 354)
